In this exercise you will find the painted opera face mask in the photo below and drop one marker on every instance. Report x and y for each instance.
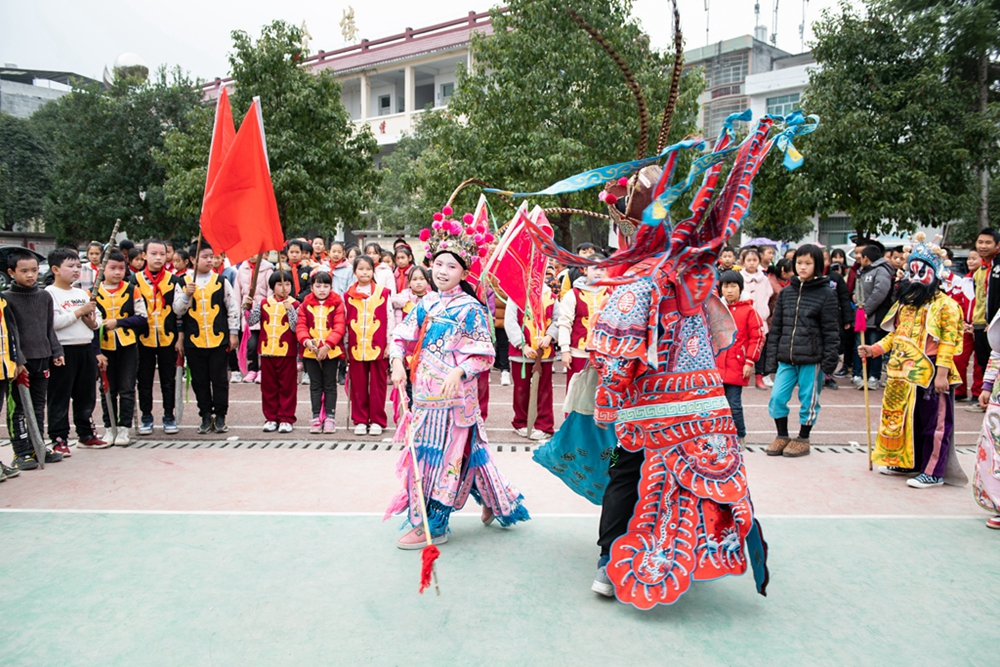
(919, 271)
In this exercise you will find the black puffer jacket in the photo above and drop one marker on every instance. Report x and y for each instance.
(805, 327)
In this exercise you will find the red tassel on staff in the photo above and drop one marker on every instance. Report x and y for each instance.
(428, 555)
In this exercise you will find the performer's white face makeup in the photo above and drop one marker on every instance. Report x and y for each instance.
(447, 272)
(920, 272)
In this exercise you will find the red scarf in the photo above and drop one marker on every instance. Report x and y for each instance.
(295, 278)
(155, 282)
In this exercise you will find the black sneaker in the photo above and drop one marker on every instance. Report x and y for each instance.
(220, 425)
(206, 425)
(830, 383)
(8, 471)
(24, 462)
(52, 457)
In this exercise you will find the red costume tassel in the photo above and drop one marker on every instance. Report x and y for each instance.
(428, 554)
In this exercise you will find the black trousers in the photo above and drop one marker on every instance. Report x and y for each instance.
(38, 377)
(982, 344)
(209, 379)
(502, 360)
(149, 359)
(322, 380)
(620, 496)
(123, 364)
(75, 381)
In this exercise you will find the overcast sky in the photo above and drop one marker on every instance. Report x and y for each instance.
(83, 36)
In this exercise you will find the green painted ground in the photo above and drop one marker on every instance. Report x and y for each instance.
(188, 590)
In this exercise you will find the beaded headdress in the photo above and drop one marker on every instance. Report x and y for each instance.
(928, 252)
(466, 239)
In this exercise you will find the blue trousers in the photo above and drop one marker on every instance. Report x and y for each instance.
(734, 394)
(872, 336)
(809, 378)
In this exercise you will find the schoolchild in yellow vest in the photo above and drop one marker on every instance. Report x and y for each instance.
(157, 344)
(528, 342)
(278, 349)
(124, 315)
(576, 309)
(12, 363)
(209, 324)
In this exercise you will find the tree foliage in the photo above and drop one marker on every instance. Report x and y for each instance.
(321, 165)
(103, 142)
(543, 102)
(897, 147)
(25, 168)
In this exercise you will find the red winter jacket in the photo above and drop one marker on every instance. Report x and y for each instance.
(748, 346)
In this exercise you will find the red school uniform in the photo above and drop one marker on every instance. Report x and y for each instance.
(746, 348)
(278, 348)
(368, 317)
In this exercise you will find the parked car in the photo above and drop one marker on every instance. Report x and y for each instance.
(43, 263)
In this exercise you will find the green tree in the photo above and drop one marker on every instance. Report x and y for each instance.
(321, 164)
(25, 168)
(895, 150)
(543, 102)
(103, 142)
(970, 32)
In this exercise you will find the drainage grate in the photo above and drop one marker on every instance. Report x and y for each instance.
(361, 446)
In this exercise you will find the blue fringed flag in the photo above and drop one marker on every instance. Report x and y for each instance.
(579, 454)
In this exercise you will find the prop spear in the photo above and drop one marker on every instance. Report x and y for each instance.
(105, 385)
(860, 325)
(429, 553)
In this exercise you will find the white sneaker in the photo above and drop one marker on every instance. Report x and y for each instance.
(305, 378)
(504, 378)
(858, 382)
(123, 439)
(374, 429)
(768, 382)
(872, 384)
(236, 377)
(270, 427)
(284, 427)
(361, 429)
(539, 435)
(523, 432)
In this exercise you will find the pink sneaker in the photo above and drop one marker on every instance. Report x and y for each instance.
(329, 426)
(415, 539)
(257, 378)
(251, 376)
(316, 425)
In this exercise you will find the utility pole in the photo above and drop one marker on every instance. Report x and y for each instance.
(707, 42)
(774, 26)
(802, 27)
(983, 217)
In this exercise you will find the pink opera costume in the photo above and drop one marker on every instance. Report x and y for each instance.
(448, 330)
(677, 507)
(986, 478)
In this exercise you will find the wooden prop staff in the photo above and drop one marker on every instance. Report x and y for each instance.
(861, 323)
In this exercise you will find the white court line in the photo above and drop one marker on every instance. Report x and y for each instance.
(540, 515)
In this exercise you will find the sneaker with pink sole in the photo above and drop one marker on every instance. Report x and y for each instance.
(415, 539)
(316, 425)
(251, 376)
(329, 426)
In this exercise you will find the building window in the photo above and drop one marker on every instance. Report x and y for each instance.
(730, 68)
(716, 114)
(835, 230)
(784, 105)
(447, 90)
(384, 105)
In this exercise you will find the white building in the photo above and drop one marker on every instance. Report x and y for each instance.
(24, 91)
(388, 82)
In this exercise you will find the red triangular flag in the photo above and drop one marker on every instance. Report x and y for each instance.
(240, 214)
(223, 133)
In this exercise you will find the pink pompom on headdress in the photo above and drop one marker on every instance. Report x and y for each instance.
(466, 239)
